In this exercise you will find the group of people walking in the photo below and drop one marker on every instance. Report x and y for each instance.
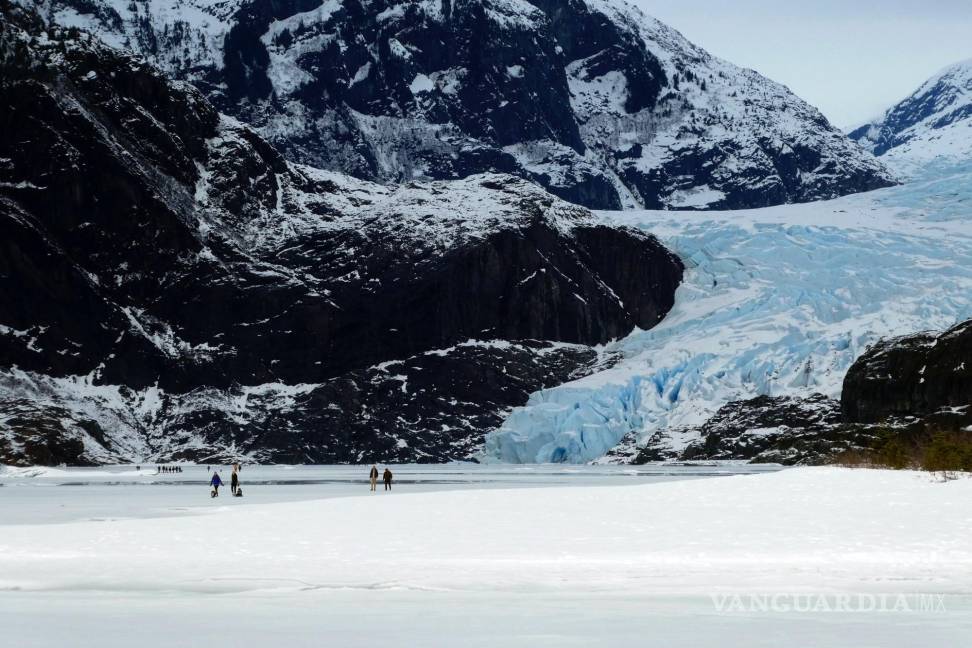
(216, 481)
(169, 469)
(386, 477)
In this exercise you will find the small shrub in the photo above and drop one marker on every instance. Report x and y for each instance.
(853, 459)
(894, 453)
(948, 453)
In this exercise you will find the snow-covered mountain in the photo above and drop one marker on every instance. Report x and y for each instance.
(171, 287)
(777, 302)
(600, 104)
(933, 126)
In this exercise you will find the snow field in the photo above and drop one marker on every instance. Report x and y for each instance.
(810, 529)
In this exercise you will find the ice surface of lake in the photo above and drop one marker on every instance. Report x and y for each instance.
(473, 556)
(115, 492)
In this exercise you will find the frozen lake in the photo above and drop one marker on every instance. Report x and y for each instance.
(47, 495)
(472, 555)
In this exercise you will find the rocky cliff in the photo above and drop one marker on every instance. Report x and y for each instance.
(173, 287)
(912, 376)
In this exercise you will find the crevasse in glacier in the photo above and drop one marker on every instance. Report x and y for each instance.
(775, 301)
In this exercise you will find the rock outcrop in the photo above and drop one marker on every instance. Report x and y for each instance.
(912, 376)
(780, 429)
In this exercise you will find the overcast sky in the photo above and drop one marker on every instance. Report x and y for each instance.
(850, 58)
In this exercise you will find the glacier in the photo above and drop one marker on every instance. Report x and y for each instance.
(775, 301)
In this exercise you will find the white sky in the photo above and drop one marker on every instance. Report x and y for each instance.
(851, 58)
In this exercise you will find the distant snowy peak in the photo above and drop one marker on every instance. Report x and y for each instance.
(931, 126)
(598, 103)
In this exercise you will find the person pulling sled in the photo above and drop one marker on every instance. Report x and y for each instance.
(215, 482)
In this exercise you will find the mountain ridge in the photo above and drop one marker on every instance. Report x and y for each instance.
(595, 101)
(932, 125)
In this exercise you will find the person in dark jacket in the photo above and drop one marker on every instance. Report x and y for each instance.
(373, 476)
(234, 479)
(387, 476)
(215, 482)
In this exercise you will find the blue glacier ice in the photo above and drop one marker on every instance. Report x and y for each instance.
(776, 301)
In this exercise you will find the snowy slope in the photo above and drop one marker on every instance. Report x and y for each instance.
(182, 37)
(719, 137)
(600, 104)
(777, 301)
(931, 127)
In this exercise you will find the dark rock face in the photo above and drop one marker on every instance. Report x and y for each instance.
(418, 409)
(179, 289)
(912, 376)
(767, 429)
(605, 44)
(33, 433)
(776, 430)
(600, 104)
